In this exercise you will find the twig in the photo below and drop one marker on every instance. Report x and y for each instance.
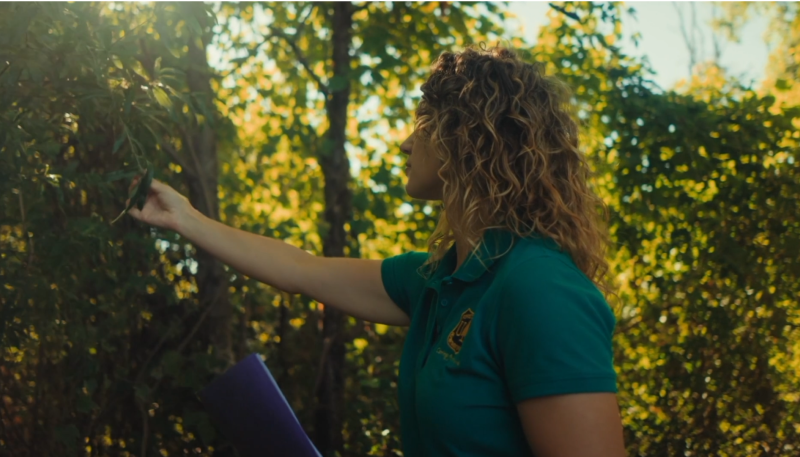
(292, 42)
(21, 111)
(565, 12)
(300, 28)
(200, 320)
(145, 425)
(690, 42)
(37, 396)
(139, 375)
(156, 349)
(302, 59)
(326, 348)
(180, 349)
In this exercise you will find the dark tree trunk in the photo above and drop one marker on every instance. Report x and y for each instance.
(200, 153)
(336, 170)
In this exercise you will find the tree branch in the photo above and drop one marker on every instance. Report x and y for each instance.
(565, 12)
(200, 320)
(200, 177)
(689, 41)
(295, 48)
(302, 59)
(161, 342)
(8, 65)
(326, 348)
(145, 427)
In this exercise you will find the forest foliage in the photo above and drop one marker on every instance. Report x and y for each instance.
(108, 331)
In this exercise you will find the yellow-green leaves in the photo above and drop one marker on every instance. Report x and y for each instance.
(161, 97)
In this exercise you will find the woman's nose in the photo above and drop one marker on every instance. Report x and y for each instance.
(407, 144)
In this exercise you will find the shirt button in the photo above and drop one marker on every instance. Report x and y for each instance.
(444, 302)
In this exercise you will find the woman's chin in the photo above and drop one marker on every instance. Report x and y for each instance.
(421, 194)
(413, 192)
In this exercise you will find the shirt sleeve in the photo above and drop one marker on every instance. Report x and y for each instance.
(401, 279)
(554, 331)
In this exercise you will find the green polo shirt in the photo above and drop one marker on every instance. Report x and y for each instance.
(494, 333)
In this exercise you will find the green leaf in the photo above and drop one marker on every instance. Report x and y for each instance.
(162, 98)
(139, 70)
(144, 187)
(782, 85)
(118, 143)
(138, 196)
(194, 26)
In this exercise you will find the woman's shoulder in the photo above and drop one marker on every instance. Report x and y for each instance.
(538, 253)
(537, 261)
(540, 280)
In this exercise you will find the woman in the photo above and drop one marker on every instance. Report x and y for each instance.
(508, 351)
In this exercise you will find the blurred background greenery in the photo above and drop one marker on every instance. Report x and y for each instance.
(284, 119)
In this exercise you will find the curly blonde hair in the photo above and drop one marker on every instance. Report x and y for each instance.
(508, 140)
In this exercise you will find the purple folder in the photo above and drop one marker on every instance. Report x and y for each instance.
(251, 411)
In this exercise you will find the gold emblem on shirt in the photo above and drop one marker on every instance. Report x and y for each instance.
(456, 338)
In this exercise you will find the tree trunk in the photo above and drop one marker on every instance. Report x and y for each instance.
(336, 170)
(200, 152)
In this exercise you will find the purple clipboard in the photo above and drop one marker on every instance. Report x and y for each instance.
(253, 414)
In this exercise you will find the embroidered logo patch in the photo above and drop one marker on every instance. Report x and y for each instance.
(456, 338)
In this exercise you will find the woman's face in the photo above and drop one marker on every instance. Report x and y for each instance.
(422, 169)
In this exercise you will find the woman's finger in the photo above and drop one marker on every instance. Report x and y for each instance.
(157, 185)
(133, 184)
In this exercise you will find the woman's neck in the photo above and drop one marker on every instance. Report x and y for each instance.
(462, 245)
(462, 251)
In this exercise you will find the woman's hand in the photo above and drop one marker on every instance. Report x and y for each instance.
(164, 207)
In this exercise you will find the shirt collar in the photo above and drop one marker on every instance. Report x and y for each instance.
(495, 244)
